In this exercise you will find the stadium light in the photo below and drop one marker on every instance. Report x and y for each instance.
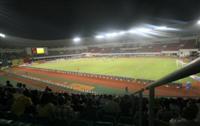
(198, 22)
(122, 33)
(2, 35)
(139, 30)
(99, 37)
(132, 31)
(165, 28)
(162, 28)
(77, 39)
(111, 34)
(143, 30)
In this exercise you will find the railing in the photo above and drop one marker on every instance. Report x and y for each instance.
(190, 69)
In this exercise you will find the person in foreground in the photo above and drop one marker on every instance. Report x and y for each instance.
(188, 117)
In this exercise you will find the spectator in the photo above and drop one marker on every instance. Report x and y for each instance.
(50, 106)
(47, 89)
(198, 115)
(46, 108)
(8, 84)
(188, 117)
(21, 103)
(111, 106)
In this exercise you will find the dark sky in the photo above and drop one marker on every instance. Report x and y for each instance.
(58, 19)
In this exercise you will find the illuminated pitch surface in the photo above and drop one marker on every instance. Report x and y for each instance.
(151, 68)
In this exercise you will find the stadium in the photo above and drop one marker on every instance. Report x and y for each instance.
(96, 68)
(144, 74)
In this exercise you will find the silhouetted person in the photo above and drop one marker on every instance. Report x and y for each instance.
(126, 89)
(188, 117)
(47, 89)
(8, 84)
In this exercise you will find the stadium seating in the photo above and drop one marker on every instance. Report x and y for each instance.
(121, 48)
(24, 107)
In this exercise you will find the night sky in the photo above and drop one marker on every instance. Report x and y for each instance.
(60, 19)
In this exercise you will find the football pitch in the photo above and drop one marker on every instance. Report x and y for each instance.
(150, 68)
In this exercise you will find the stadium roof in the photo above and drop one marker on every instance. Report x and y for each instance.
(41, 22)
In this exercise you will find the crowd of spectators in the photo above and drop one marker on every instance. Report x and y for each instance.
(51, 108)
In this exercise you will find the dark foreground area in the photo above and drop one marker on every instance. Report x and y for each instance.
(22, 106)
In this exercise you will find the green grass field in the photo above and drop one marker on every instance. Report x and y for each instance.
(151, 68)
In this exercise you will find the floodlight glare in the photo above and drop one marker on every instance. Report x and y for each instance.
(198, 22)
(132, 31)
(165, 28)
(2, 35)
(144, 30)
(139, 30)
(122, 33)
(162, 28)
(111, 34)
(99, 36)
(77, 39)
